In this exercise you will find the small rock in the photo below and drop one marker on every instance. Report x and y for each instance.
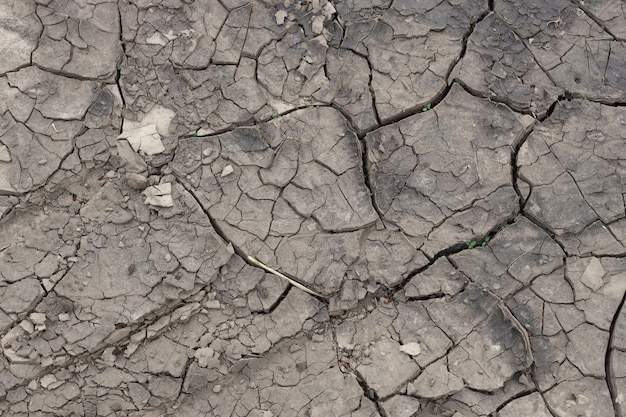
(217, 388)
(64, 317)
(317, 24)
(159, 195)
(157, 39)
(38, 318)
(228, 169)
(280, 15)
(136, 181)
(411, 349)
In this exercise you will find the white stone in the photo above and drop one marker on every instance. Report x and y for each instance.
(317, 24)
(38, 318)
(228, 169)
(159, 195)
(329, 10)
(411, 349)
(157, 39)
(280, 16)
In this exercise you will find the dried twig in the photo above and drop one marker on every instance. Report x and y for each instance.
(278, 274)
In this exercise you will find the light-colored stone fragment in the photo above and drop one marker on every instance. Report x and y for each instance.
(157, 39)
(38, 318)
(280, 15)
(317, 24)
(145, 139)
(411, 349)
(228, 169)
(159, 195)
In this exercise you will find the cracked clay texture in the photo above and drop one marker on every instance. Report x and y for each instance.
(447, 178)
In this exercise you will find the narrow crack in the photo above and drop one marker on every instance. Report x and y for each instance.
(369, 393)
(454, 249)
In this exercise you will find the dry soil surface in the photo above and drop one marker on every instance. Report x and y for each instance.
(448, 178)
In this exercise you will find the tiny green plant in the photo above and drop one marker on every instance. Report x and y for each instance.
(276, 116)
(195, 134)
(310, 106)
(471, 245)
(486, 241)
(426, 107)
(119, 66)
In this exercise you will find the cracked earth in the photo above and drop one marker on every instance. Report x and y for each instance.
(448, 178)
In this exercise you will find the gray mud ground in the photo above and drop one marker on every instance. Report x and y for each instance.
(449, 176)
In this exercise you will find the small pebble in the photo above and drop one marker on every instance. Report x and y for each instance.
(38, 318)
(228, 169)
(136, 181)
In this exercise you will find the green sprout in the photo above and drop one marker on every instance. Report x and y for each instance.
(471, 245)
(310, 106)
(427, 107)
(119, 66)
(486, 241)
